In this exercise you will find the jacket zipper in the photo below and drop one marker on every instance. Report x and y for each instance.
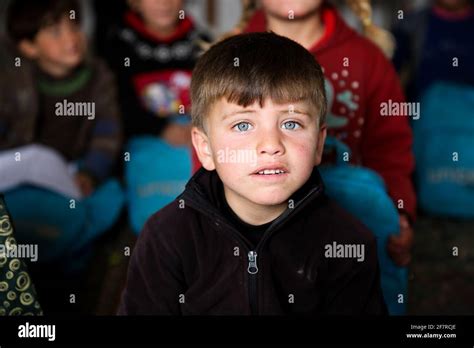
(252, 269)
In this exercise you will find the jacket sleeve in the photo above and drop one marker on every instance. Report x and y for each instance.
(155, 278)
(106, 139)
(387, 144)
(355, 286)
(18, 99)
(5, 96)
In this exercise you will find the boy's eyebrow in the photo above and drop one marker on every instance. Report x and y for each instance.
(249, 111)
(294, 111)
(280, 112)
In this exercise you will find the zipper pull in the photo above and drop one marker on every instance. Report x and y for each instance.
(252, 268)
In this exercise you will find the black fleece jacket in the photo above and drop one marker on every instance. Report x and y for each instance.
(191, 260)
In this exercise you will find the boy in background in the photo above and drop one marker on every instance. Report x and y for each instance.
(57, 101)
(52, 75)
(153, 51)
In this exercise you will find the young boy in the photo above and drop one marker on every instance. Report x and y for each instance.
(153, 51)
(253, 232)
(54, 95)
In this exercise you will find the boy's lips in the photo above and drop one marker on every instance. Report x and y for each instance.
(273, 169)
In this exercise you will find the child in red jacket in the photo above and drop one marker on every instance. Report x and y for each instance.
(360, 80)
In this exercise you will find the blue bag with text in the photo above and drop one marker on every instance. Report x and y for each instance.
(155, 175)
(444, 150)
(362, 193)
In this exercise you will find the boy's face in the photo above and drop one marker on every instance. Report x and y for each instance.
(299, 8)
(243, 141)
(159, 15)
(59, 47)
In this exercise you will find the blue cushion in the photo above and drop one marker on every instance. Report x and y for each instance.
(362, 193)
(155, 175)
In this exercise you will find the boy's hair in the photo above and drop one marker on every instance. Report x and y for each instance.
(25, 18)
(253, 67)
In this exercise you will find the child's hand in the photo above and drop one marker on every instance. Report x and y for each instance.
(399, 247)
(177, 135)
(85, 183)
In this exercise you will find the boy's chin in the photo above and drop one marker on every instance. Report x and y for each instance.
(270, 200)
(70, 63)
(74, 63)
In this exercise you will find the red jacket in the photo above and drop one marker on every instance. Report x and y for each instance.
(358, 79)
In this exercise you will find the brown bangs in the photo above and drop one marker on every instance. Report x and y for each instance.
(250, 68)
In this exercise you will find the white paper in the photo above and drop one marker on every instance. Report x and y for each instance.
(40, 166)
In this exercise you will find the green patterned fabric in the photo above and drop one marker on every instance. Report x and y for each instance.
(17, 293)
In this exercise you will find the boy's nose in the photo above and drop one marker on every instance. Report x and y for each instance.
(270, 143)
(71, 35)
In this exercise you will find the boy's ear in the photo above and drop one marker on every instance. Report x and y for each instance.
(201, 145)
(320, 144)
(28, 48)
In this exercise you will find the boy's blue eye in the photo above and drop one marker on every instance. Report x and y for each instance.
(242, 126)
(291, 125)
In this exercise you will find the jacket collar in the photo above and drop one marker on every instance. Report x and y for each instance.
(135, 22)
(202, 193)
(68, 85)
(336, 31)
